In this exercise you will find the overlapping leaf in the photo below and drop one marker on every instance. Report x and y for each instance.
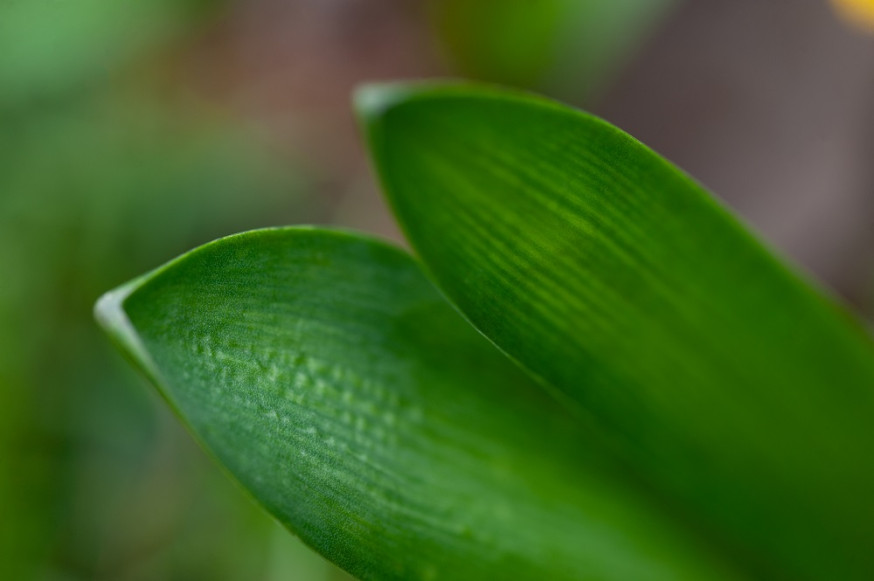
(332, 380)
(727, 382)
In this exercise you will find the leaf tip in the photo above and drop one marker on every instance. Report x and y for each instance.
(372, 100)
(113, 319)
(108, 310)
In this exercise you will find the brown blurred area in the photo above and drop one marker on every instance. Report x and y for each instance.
(291, 68)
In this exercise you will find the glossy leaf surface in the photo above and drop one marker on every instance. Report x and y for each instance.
(727, 382)
(330, 378)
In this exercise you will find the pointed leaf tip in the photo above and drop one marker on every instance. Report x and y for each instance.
(373, 99)
(112, 318)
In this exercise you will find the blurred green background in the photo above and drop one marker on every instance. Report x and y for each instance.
(131, 131)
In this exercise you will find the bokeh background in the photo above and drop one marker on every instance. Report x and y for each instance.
(133, 130)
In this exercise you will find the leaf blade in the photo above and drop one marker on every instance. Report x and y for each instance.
(618, 281)
(343, 392)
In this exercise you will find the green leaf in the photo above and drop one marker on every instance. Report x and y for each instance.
(332, 380)
(725, 381)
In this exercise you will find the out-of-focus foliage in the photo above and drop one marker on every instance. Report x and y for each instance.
(48, 47)
(104, 172)
(79, 187)
(507, 41)
(568, 47)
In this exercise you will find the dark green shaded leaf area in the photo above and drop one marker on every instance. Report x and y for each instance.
(739, 392)
(326, 373)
